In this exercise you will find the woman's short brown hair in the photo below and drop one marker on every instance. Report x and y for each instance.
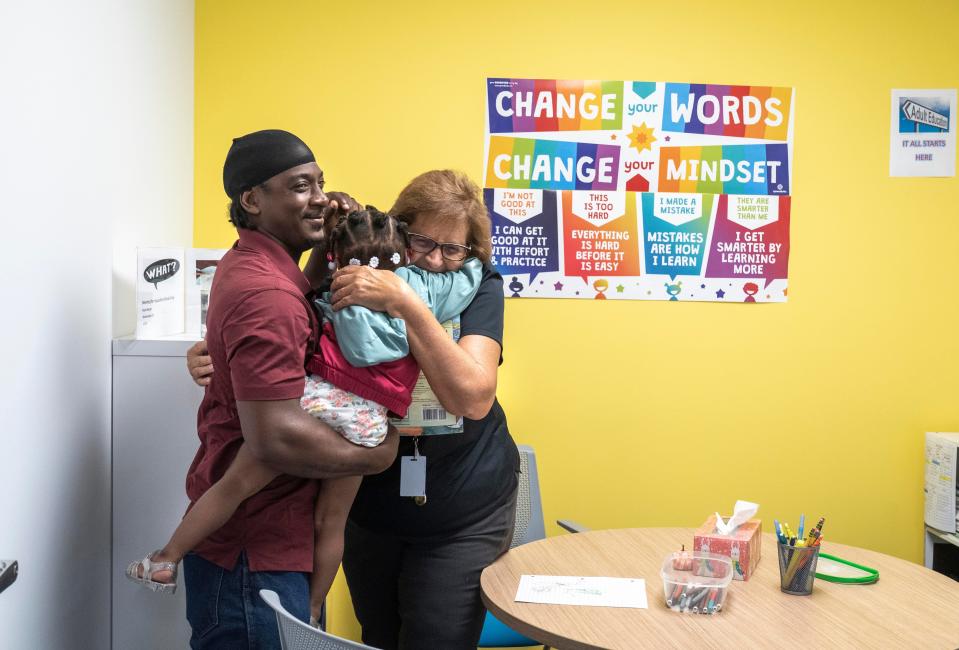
(449, 196)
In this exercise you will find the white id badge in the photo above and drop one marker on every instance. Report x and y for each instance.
(413, 476)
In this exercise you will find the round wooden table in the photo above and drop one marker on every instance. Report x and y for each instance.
(910, 606)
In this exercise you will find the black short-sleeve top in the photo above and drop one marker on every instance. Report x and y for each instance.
(468, 474)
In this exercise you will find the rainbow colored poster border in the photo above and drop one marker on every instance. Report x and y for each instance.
(640, 190)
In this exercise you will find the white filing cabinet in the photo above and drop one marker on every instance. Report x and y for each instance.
(154, 441)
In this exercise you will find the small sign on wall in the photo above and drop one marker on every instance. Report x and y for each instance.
(922, 138)
(159, 292)
(173, 290)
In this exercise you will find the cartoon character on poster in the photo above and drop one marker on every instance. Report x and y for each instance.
(600, 286)
(673, 289)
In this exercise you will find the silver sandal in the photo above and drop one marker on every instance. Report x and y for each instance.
(149, 568)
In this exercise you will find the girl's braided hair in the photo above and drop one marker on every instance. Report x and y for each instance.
(369, 233)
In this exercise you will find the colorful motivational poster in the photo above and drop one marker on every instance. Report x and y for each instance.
(640, 190)
(922, 133)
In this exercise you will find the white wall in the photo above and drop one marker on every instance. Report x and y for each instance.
(96, 155)
(153, 42)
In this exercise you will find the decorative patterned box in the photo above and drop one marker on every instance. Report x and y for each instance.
(743, 546)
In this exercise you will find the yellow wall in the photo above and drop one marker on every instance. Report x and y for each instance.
(656, 413)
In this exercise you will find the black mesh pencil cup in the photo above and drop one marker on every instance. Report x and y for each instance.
(797, 568)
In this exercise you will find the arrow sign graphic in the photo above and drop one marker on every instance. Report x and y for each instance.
(922, 115)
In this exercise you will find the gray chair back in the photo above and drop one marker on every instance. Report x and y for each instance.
(529, 505)
(297, 635)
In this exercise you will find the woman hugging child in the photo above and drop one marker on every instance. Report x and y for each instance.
(360, 375)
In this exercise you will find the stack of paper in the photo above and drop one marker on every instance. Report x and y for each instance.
(580, 590)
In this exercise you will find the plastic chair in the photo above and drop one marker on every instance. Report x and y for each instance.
(297, 635)
(529, 527)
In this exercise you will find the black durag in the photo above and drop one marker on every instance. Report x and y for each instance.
(257, 157)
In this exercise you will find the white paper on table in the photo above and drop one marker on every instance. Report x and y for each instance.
(581, 590)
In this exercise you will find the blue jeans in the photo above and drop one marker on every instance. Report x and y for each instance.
(225, 610)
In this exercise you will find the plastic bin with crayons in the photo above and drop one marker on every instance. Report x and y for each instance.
(695, 582)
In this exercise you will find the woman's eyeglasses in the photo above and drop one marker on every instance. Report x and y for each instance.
(425, 245)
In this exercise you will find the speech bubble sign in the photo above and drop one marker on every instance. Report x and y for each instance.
(525, 232)
(750, 238)
(161, 270)
(675, 228)
(600, 234)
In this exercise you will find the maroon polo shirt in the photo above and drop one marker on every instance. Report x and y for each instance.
(260, 329)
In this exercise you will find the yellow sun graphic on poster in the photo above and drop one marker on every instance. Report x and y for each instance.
(642, 138)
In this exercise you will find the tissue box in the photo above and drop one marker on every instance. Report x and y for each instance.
(743, 546)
